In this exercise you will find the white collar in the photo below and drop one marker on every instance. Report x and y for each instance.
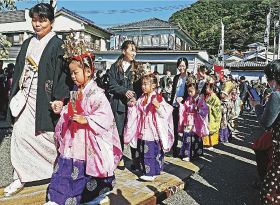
(46, 38)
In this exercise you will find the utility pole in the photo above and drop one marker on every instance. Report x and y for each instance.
(274, 37)
(266, 34)
(278, 56)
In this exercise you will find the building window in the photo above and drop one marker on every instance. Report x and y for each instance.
(155, 40)
(135, 40)
(122, 39)
(16, 39)
(164, 40)
(170, 42)
(87, 38)
(178, 44)
(140, 40)
(147, 40)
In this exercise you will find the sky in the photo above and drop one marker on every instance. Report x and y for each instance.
(112, 13)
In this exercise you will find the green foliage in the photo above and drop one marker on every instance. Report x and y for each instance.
(245, 22)
(4, 44)
(7, 5)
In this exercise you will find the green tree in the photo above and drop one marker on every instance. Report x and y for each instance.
(244, 21)
(4, 44)
(7, 5)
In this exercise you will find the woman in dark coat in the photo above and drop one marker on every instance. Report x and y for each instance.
(269, 117)
(42, 78)
(178, 95)
(123, 77)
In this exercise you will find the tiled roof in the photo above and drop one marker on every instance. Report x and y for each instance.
(12, 16)
(76, 15)
(247, 64)
(81, 18)
(149, 23)
(255, 44)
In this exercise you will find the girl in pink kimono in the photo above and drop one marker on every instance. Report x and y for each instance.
(193, 123)
(149, 128)
(88, 142)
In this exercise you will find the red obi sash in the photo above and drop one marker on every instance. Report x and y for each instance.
(69, 123)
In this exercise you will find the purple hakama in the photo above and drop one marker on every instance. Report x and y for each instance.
(192, 146)
(70, 184)
(150, 157)
(224, 135)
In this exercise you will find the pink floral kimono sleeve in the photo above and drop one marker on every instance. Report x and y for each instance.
(201, 119)
(182, 117)
(164, 125)
(103, 138)
(131, 130)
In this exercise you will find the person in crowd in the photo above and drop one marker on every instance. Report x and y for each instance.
(227, 112)
(156, 73)
(266, 94)
(150, 128)
(123, 74)
(178, 94)
(201, 77)
(105, 84)
(88, 141)
(33, 150)
(193, 123)
(215, 114)
(3, 93)
(269, 117)
(165, 85)
(168, 90)
(243, 89)
(102, 81)
(98, 78)
(237, 104)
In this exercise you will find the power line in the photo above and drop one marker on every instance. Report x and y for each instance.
(140, 10)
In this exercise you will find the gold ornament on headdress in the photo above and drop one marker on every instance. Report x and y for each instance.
(76, 46)
(191, 80)
(227, 88)
(147, 69)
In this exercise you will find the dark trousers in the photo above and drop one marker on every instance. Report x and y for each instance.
(175, 123)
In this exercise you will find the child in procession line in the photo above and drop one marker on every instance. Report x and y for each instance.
(88, 142)
(215, 114)
(193, 123)
(149, 128)
(227, 112)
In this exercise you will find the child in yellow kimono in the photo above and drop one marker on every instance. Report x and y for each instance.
(215, 114)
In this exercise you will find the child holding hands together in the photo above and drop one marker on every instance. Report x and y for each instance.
(149, 128)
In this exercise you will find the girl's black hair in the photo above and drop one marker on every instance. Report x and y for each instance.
(272, 71)
(151, 77)
(180, 60)
(43, 10)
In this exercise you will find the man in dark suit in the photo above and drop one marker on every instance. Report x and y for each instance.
(164, 81)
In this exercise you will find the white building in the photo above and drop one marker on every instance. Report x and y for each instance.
(16, 26)
(160, 43)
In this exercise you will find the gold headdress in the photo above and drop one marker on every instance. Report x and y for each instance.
(147, 68)
(227, 87)
(78, 49)
(191, 80)
(76, 46)
(209, 80)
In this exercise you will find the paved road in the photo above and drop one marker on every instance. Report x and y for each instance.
(226, 178)
(228, 173)
(5, 162)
